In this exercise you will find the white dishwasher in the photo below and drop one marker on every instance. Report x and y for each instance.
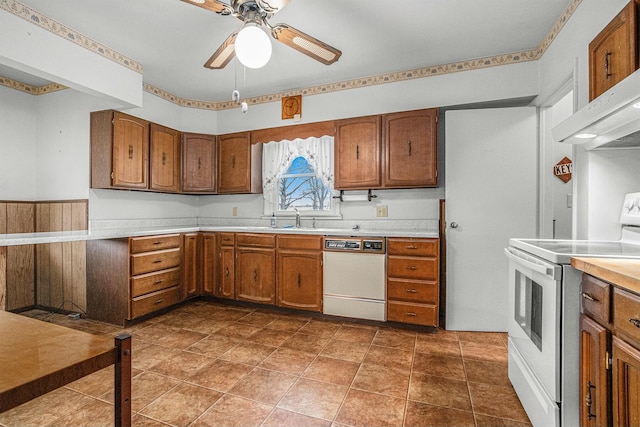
(355, 277)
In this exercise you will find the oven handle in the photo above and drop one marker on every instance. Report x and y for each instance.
(532, 265)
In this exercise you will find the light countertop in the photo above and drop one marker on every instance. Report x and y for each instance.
(70, 236)
(619, 271)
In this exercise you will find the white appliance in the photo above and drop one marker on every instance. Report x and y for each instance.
(612, 120)
(544, 312)
(355, 277)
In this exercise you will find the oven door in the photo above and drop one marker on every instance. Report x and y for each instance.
(534, 321)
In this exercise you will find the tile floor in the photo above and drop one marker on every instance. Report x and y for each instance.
(207, 364)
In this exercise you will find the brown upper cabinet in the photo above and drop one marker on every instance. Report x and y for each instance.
(357, 153)
(164, 159)
(119, 150)
(198, 163)
(613, 54)
(410, 141)
(239, 164)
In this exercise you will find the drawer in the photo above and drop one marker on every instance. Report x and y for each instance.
(152, 282)
(154, 301)
(596, 298)
(259, 240)
(155, 261)
(626, 313)
(424, 292)
(313, 243)
(154, 243)
(417, 314)
(413, 247)
(412, 268)
(227, 239)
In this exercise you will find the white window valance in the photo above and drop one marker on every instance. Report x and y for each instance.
(277, 157)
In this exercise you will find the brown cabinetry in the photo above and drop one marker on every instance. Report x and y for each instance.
(413, 280)
(239, 164)
(208, 263)
(198, 163)
(164, 159)
(119, 151)
(129, 278)
(299, 270)
(226, 267)
(609, 355)
(357, 153)
(191, 266)
(255, 268)
(410, 147)
(613, 54)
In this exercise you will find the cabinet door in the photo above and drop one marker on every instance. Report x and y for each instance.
(612, 54)
(190, 266)
(255, 275)
(234, 163)
(225, 287)
(357, 153)
(300, 280)
(198, 163)
(626, 384)
(593, 374)
(165, 159)
(130, 151)
(208, 266)
(411, 149)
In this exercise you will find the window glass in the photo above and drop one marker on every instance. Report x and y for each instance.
(299, 187)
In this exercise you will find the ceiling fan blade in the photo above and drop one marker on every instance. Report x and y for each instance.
(212, 5)
(306, 44)
(223, 55)
(272, 6)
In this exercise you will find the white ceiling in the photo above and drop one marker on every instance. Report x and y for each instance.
(172, 39)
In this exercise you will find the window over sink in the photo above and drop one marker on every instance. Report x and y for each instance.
(299, 175)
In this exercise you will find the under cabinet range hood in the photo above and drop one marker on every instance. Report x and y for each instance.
(612, 120)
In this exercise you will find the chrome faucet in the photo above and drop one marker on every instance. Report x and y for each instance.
(297, 217)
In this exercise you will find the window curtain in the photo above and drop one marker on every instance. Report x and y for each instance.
(277, 157)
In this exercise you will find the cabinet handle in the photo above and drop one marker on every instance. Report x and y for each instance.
(198, 162)
(410, 314)
(164, 158)
(607, 74)
(411, 291)
(226, 271)
(357, 152)
(589, 297)
(157, 282)
(157, 261)
(255, 275)
(233, 162)
(130, 151)
(588, 401)
(412, 267)
(635, 322)
(412, 247)
(157, 242)
(409, 144)
(160, 301)
(298, 279)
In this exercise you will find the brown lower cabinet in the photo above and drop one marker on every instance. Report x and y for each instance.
(299, 271)
(226, 286)
(132, 277)
(609, 355)
(255, 268)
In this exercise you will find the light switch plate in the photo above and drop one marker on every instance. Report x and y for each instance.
(382, 211)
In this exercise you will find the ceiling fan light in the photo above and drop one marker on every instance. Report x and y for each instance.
(252, 46)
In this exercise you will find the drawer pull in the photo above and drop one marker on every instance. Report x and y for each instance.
(412, 267)
(157, 261)
(412, 247)
(157, 282)
(411, 291)
(410, 314)
(589, 297)
(160, 301)
(635, 322)
(157, 242)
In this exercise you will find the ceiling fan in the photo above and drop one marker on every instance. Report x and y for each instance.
(255, 13)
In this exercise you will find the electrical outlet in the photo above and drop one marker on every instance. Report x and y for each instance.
(235, 211)
(382, 211)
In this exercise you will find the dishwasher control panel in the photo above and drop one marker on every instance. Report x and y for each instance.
(355, 244)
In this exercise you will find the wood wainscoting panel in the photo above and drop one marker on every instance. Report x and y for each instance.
(19, 268)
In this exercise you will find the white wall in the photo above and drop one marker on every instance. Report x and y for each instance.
(17, 145)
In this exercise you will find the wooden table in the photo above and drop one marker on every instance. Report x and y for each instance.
(37, 357)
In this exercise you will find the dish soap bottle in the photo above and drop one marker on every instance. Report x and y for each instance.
(273, 220)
